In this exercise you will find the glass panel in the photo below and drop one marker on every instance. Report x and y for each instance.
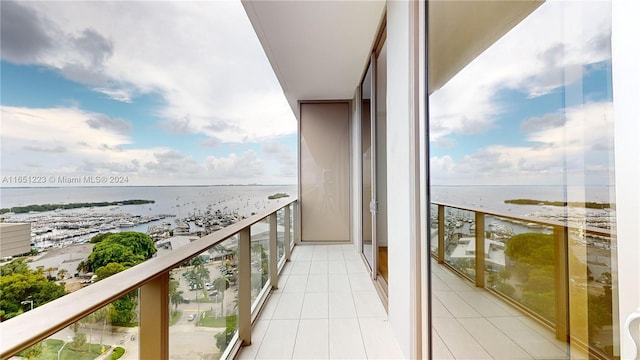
(381, 162)
(259, 257)
(110, 330)
(523, 131)
(434, 229)
(280, 233)
(460, 241)
(519, 261)
(366, 157)
(292, 237)
(203, 300)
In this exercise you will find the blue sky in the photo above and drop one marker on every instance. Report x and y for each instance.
(107, 88)
(534, 108)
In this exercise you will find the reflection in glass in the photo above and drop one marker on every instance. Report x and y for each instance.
(433, 229)
(460, 241)
(526, 130)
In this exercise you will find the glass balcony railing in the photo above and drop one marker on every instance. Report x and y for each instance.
(197, 300)
(559, 273)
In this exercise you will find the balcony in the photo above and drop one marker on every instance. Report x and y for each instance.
(195, 301)
(323, 304)
(326, 307)
(521, 287)
(318, 301)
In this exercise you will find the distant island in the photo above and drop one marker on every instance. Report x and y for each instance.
(277, 196)
(587, 205)
(50, 207)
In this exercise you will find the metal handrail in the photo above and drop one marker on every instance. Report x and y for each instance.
(589, 229)
(33, 326)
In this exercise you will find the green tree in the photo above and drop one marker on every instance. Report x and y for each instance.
(18, 283)
(62, 273)
(223, 338)
(16, 266)
(108, 270)
(127, 248)
(531, 248)
(117, 252)
(122, 311)
(221, 284)
(83, 267)
(98, 238)
(32, 352)
(175, 295)
(79, 342)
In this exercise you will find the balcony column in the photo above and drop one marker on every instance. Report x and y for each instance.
(561, 261)
(273, 250)
(154, 318)
(480, 249)
(440, 234)
(287, 232)
(244, 286)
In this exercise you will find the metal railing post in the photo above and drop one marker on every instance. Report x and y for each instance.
(154, 318)
(440, 234)
(273, 250)
(479, 249)
(244, 286)
(561, 276)
(287, 232)
(296, 222)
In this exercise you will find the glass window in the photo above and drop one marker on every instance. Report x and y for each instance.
(521, 154)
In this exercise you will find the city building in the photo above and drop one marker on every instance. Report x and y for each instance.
(359, 76)
(15, 239)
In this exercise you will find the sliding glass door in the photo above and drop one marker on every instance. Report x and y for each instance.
(374, 170)
(522, 207)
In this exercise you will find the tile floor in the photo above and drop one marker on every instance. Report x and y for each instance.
(325, 308)
(471, 323)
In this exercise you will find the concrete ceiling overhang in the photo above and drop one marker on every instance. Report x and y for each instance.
(461, 30)
(319, 49)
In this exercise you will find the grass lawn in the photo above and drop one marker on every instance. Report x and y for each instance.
(51, 347)
(217, 322)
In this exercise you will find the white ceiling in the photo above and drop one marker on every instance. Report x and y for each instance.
(319, 49)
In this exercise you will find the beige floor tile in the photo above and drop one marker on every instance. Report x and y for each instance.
(317, 283)
(279, 340)
(315, 306)
(341, 305)
(289, 306)
(379, 340)
(345, 340)
(312, 341)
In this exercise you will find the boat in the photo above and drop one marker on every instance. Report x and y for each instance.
(125, 223)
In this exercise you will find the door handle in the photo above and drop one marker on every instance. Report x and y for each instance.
(373, 207)
(634, 335)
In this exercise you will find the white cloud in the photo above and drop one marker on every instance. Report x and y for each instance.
(575, 150)
(203, 58)
(73, 142)
(545, 51)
